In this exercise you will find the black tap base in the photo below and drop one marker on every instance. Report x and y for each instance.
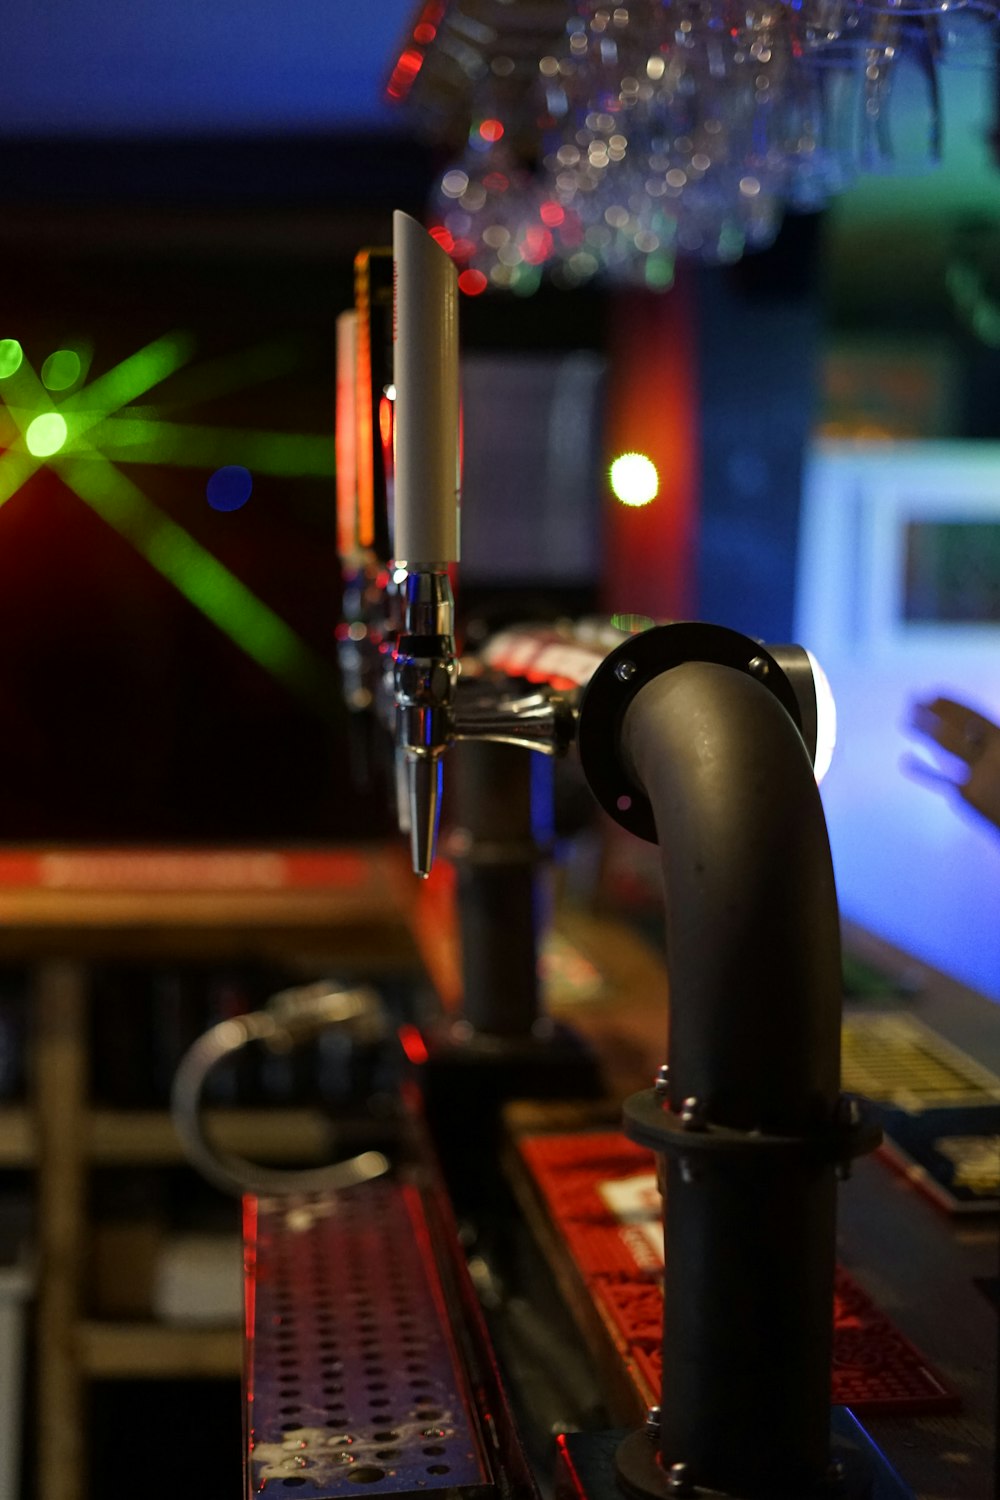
(468, 1078)
(610, 1465)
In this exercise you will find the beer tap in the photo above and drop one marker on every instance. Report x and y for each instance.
(425, 534)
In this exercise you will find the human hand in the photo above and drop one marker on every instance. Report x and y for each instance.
(973, 740)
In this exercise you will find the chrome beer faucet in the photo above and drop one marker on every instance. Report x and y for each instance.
(425, 677)
(425, 520)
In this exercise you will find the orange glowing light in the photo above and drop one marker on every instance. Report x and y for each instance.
(385, 422)
(345, 434)
(491, 130)
(369, 294)
(472, 283)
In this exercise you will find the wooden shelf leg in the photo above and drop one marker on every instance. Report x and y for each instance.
(59, 1089)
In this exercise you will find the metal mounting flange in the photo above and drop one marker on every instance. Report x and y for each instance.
(628, 669)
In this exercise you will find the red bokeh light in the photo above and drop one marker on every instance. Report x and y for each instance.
(491, 130)
(552, 213)
(472, 283)
(408, 65)
(537, 245)
(443, 237)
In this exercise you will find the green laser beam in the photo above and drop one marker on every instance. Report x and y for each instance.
(227, 373)
(205, 582)
(141, 440)
(87, 470)
(16, 467)
(131, 377)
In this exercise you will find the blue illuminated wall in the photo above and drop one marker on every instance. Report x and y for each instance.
(141, 67)
(912, 864)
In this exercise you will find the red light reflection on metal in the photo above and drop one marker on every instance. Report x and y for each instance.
(566, 1469)
(413, 1045)
(249, 1281)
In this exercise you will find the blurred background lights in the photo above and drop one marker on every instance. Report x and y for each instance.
(45, 434)
(472, 283)
(229, 488)
(11, 356)
(634, 480)
(61, 370)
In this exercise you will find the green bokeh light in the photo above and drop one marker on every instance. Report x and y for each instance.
(46, 434)
(11, 357)
(61, 370)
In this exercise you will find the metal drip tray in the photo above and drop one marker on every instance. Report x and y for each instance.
(353, 1378)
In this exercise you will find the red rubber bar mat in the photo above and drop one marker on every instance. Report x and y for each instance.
(875, 1369)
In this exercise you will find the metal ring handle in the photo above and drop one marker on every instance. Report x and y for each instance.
(286, 1024)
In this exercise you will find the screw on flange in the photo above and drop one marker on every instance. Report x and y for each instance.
(758, 666)
(693, 1115)
(848, 1112)
(625, 671)
(835, 1474)
(652, 1427)
(848, 1118)
(661, 1082)
(679, 1479)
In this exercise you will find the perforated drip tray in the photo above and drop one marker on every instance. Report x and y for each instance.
(353, 1378)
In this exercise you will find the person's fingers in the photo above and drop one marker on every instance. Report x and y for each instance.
(922, 771)
(955, 727)
(981, 788)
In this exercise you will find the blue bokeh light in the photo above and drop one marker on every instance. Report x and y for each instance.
(229, 488)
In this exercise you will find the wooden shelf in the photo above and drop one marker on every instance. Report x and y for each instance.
(118, 1137)
(18, 1142)
(151, 1351)
(63, 911)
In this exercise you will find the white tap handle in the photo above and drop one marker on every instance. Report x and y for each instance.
(425, 374)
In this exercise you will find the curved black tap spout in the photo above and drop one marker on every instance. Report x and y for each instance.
(749, 1119)
(753, 933)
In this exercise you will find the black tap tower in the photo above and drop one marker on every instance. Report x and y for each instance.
(691, 735)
